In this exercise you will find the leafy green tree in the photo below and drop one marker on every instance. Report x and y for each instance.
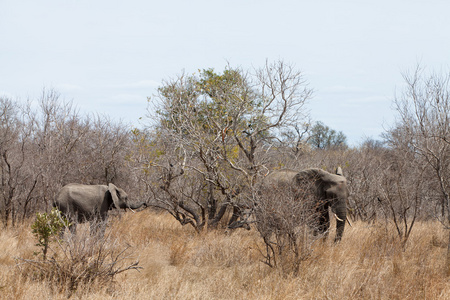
(323, 137)
(209, 105)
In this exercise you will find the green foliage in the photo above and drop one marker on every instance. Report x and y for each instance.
(323, 137)
(47, 226)
(212, 101)
(145, 145)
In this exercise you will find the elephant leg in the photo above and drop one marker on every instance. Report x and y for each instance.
(63, 230)
(98, 225)
(73, 228)
(73, 219)
(100, 228)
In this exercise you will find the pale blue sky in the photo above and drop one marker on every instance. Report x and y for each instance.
(108, 56)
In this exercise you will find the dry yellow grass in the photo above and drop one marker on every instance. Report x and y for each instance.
(177, 263)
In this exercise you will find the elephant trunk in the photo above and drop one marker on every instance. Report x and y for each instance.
(341, 217)
(136, 205)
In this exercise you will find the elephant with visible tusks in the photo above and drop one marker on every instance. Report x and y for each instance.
(330, 190)
(90, 203)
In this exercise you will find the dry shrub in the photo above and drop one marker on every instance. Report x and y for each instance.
(286, 217)
(83, 261)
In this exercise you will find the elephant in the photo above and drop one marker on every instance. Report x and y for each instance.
(330, 191)
(81, 203)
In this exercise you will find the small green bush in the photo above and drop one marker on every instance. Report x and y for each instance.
(48, 226)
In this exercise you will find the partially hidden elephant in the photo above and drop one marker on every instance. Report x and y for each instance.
(90, 203)
(330, 190)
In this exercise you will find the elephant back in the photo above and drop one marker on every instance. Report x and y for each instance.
(321, 175)
(279, 178)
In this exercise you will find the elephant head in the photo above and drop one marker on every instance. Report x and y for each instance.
(330, 191)
(120, 198)
(84, 203)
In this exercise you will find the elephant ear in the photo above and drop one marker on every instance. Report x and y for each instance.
(113, 190)
(339, 171)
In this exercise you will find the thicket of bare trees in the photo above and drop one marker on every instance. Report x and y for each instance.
(47, 144)
(216, 136)
(422, 135)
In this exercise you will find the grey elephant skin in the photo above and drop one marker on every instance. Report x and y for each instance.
(330, 190)
(84, 203)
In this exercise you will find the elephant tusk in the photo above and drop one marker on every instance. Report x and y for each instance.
(337, 218)
(131, 209)
(348, 221)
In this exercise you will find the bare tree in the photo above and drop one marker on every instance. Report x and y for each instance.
(106, 146)
(58, 130)
(364, 170)
(12, 158)
(423, 128)
(219, 127)
(402, 192)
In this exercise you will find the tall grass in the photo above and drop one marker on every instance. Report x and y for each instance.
(369, 263)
